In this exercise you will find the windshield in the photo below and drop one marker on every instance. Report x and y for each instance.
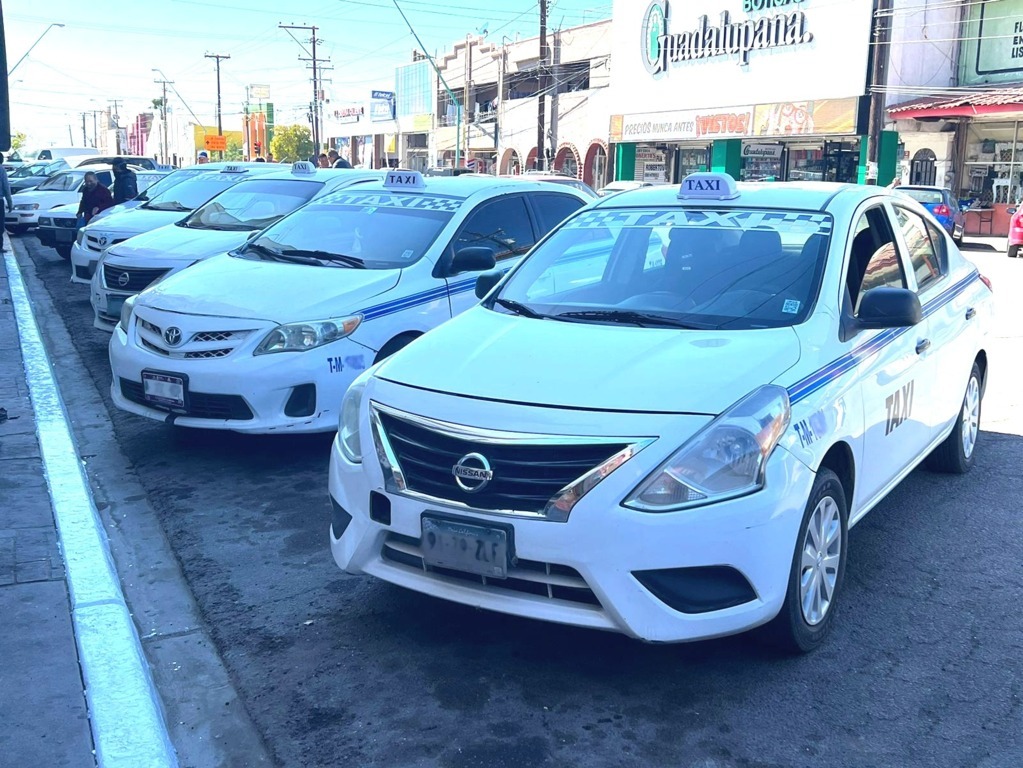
(63, 181)
(361, 230)
(30, 170)
(193, 192)
(164, 183)
(252, 204)
(925, 196)
(722, 269)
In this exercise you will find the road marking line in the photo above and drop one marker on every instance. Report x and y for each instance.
(124, 707)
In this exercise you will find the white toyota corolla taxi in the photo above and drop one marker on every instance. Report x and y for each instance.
(218, 226)
(268, 338)
(191, 188)
(665, 420)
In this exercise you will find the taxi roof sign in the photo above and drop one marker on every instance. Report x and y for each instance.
(708, 186)
(233, 169)
(303, 166)
(404, 180)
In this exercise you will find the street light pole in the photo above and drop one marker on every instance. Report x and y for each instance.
(163, 115)
(220, 125)
(11, 70)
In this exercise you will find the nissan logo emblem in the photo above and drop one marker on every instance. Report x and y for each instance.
(472, 472)
(172, 336)
(123, 279)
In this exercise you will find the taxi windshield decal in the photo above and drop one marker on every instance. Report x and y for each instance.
(790, 221)
(392, 200)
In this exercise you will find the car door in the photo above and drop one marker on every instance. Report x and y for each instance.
(890, 362)
(501, 224)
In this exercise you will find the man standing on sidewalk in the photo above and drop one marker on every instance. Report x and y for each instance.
(7, 205)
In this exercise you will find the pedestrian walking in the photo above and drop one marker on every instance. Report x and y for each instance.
(95, 198)
(126, 183)
(6, 205)
(322, 161)
(336, 161)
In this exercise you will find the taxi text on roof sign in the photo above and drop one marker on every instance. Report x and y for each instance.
(303, 166)
(233, 169)
(404, 180)
(708, 186)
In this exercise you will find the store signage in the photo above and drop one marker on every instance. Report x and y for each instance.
(349, 114)
(772, 151)
(992, 43)
(724, 37)
(381, 106)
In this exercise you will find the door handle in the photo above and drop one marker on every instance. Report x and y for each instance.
(922, 346)
(970, 313)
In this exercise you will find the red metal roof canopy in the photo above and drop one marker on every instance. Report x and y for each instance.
(983, 102)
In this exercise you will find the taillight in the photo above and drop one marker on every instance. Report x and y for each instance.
(987, 282)
(941, 210)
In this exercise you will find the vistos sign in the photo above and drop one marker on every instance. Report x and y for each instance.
(726, 37)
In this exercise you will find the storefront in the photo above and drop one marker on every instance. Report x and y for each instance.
(769, 94)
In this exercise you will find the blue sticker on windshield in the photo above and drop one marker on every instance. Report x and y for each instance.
(790, 307)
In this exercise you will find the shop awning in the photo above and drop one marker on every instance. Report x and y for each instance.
(983, 102)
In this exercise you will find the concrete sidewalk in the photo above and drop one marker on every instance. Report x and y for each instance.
(42, 697)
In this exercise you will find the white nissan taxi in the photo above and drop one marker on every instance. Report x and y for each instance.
(665, 420)
(268, 338)
(218, 226)
(191, 188)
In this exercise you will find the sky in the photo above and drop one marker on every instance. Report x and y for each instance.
(107, 50)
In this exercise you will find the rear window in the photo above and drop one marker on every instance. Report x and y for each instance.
(925, 196)
(63, 181)
(673, 267)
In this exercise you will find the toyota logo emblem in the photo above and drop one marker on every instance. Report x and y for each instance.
(123, 279)
(103, 240)
(472, 472)
(172, 336)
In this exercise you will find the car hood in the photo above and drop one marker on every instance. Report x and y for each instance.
(46, 198)
(133, 221)
(225, 286)
(490, 355)
(175, 243)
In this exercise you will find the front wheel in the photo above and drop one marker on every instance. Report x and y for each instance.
(818, 569)
(957, 455)
(64, 251)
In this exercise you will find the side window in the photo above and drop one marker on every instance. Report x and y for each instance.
(873, 258)
(502, 225)
(551, 210)
(922, 255)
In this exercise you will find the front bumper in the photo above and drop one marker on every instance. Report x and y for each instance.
(589, 567)
(83, 264)
(16, 218)
(56, 237)
(241, 392)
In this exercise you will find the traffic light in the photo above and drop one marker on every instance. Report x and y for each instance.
(258, 147)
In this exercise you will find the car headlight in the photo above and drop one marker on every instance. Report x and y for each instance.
(298, 337)
(126, 309)
(348, 424)
(725, 459)
(27, 207)
(80, 237)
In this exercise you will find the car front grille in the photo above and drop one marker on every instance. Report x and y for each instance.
(134, 280)
(526, 476)
(93, 243)
(546, 580)
(194, 346)
(198, 405)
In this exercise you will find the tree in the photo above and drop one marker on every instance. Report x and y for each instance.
(234, 150)
(18, 140)
(291, 143)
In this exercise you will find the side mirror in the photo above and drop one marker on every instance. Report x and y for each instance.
(473, 259)
(889, 308)
(485, 283)
(253, 235)
(1010, 211)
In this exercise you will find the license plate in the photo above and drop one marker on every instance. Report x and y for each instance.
(463, 547)
(65, 235)
(163, 389)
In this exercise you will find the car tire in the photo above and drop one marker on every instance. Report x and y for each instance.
(1013, 251)
(18, 229)
(64, 251)
(817, 570)
(957, 454)
(394, 345)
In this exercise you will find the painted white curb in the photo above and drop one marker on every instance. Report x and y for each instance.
(124, 708)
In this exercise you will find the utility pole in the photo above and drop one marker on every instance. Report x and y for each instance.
(541, 101)
(878, 80)
(85, 137)
(314, 106)
(220, 124)
(163, 117)
(115, 117)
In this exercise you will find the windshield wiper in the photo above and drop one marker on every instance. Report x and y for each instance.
(333, 258)
(265, 251)
(519, 308)
(642, 319)
(175, 206)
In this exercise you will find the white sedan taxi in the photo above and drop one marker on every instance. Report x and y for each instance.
(218, 226)
(665, 420)
(267, 338)
(191, 188)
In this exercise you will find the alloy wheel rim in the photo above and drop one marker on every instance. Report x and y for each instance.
(971, 417)
(820, 559)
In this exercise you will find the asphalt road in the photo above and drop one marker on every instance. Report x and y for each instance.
(924, 668)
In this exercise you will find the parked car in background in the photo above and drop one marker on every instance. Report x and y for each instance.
(60, 189)
(137, 160)
(14, 160)
(942, 205)
(553, 178)
(622, 186)
(58, 228)
(56, 153)
(1015, 231)
(34, 174)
